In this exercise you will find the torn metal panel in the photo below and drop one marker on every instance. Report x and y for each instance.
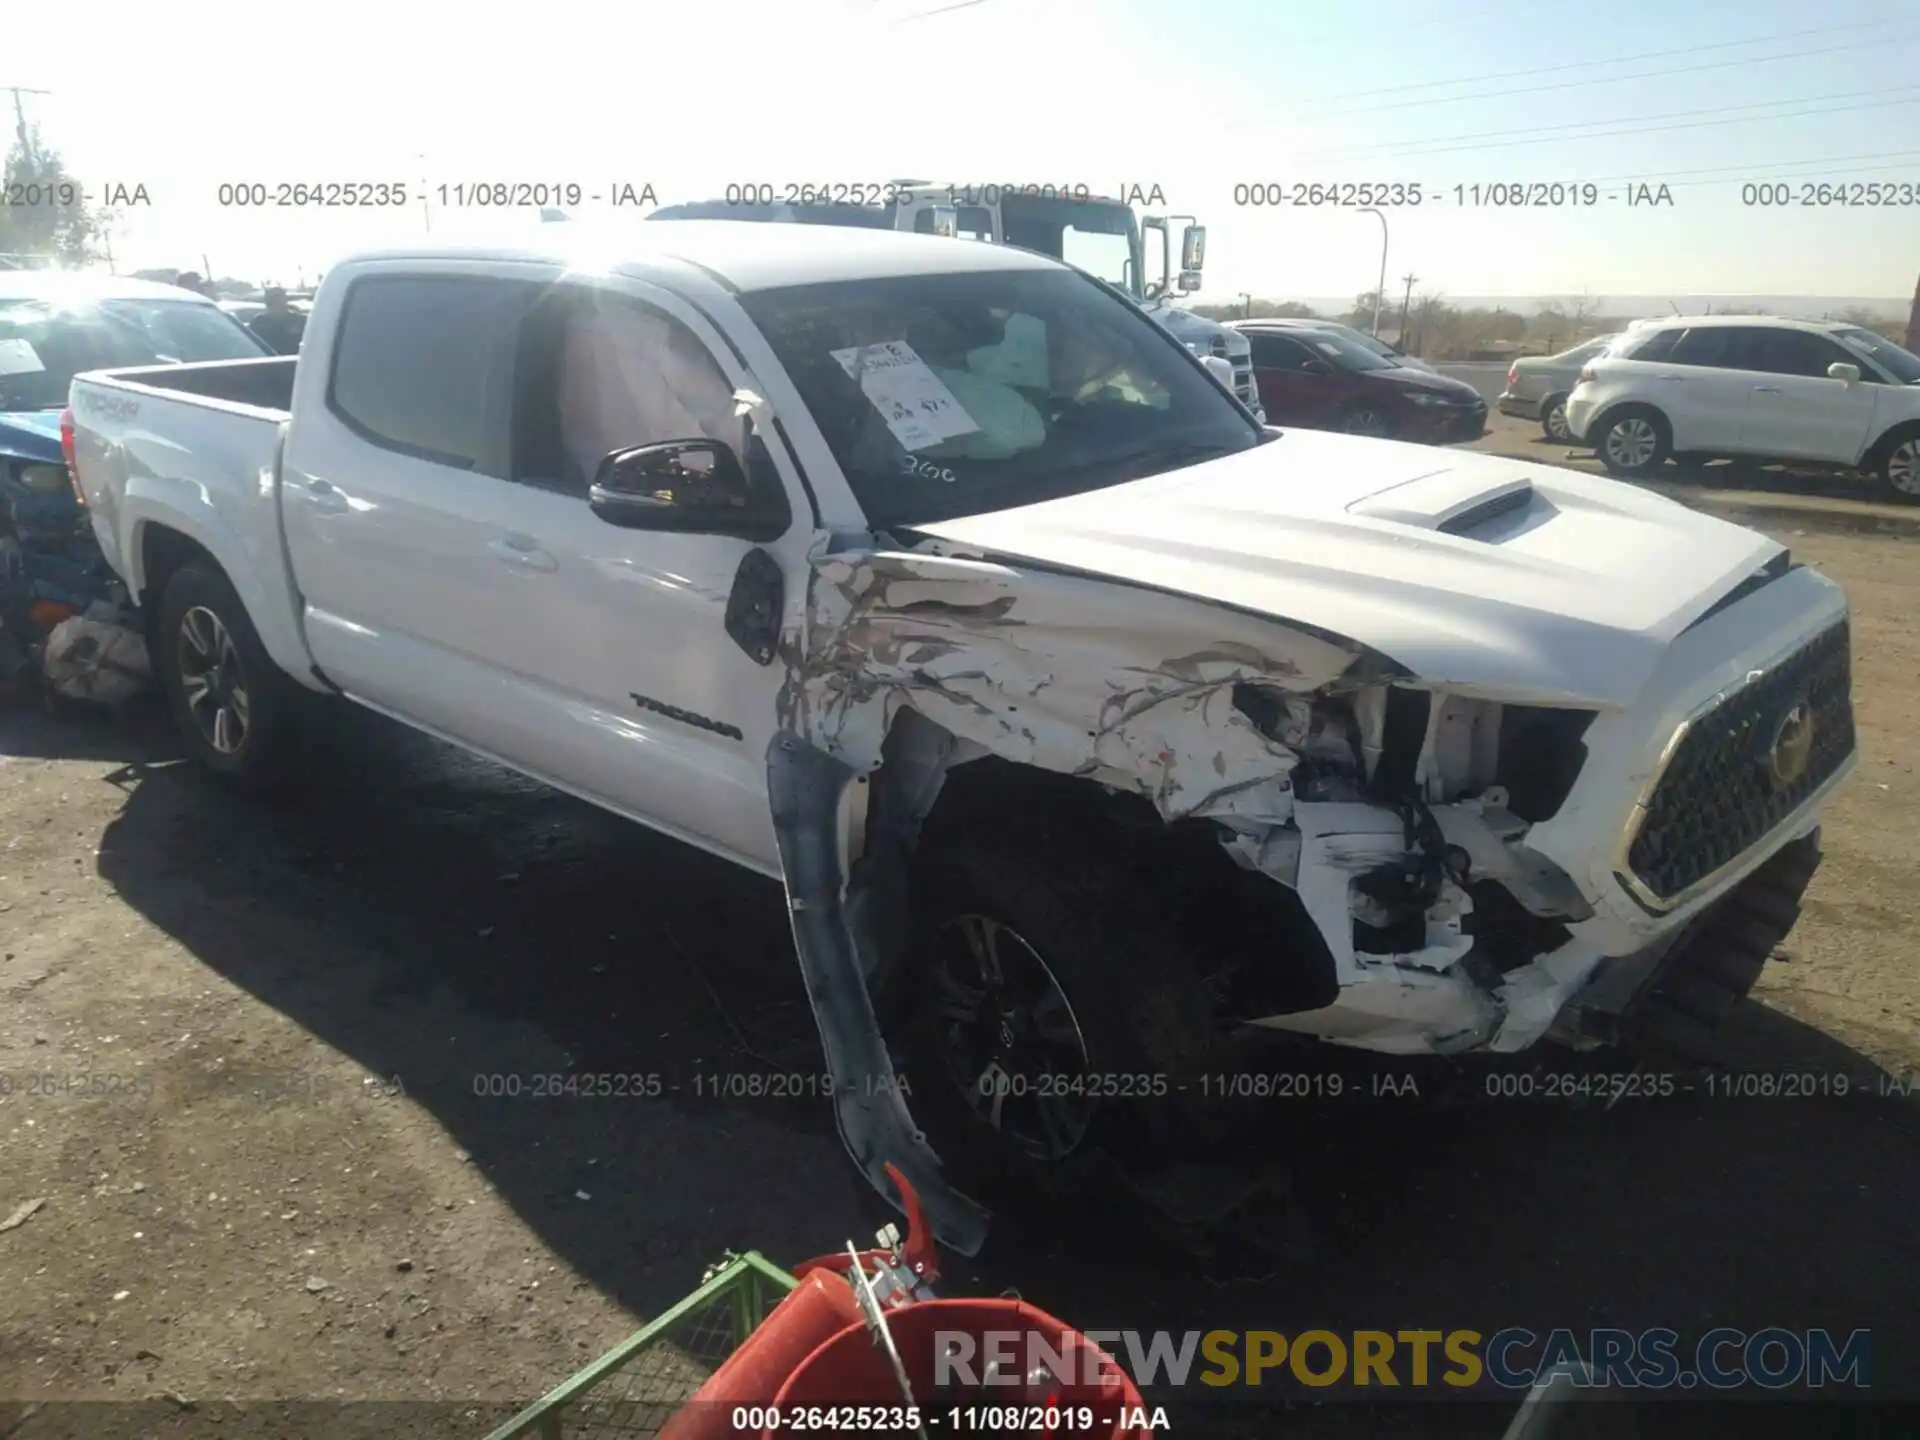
(1534, 994)
(1050, 670)
(869, 1107)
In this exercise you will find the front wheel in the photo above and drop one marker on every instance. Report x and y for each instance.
(233, 706)
(1050, 1012)
(1633, 442)
(1369, 420)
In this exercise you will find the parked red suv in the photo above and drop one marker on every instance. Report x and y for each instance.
(1322, 380)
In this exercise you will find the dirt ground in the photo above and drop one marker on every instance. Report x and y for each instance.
(272, 1181)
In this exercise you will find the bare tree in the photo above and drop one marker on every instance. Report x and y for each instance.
(1581, 310)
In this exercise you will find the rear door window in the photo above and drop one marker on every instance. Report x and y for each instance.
(1719, 347)
(424, 365)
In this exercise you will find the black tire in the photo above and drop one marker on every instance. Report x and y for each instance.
(1130, 993)
(209, 659)
(1895, 464)
(1552, 409)
(1720, 962)
(1633, 440)
(1366, 418)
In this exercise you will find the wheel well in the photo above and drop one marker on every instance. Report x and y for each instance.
(1251, 939)
(162, 552)
(1877, 451)
(1631, 407)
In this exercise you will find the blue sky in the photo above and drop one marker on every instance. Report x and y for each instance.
(1194, 98)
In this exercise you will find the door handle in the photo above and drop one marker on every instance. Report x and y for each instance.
(523, 553)
(326, 496)
(1766, 389)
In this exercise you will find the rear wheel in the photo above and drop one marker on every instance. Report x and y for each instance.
(1633, 441)
(1051, 1013)
(234, 707)
(1553, 419)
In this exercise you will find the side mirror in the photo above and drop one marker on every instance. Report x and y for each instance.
(689, 487)
(1188, 282)
(1315, 367)
(1841, 370)
(1220, 368)
(1193, 250)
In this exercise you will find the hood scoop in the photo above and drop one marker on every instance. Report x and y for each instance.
(1446, 500)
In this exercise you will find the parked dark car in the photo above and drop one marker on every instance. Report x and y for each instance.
(1324, 381)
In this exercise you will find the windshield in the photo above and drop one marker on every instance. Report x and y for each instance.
(43, 345)
(1903, 365)
(1100, 237)
(991, 389)
(1352, 353)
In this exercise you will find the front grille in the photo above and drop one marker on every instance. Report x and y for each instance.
(1728, 784)
(1243, 385)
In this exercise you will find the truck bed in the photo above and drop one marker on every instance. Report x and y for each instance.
(256, 384)
(191, 445)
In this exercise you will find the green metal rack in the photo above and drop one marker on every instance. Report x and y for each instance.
(634, 1389)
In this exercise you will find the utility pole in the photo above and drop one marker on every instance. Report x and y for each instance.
(1246, 306)
(1380, 290)
(20, 122)
(1406, 303)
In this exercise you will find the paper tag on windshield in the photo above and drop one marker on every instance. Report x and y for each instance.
(17, 357)
(919, 409)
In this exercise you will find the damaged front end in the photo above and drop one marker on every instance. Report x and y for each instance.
(1397, 816)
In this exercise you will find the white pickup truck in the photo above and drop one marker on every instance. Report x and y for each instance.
(1087, 722)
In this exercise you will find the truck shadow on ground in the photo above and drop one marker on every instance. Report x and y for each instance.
(437, 919)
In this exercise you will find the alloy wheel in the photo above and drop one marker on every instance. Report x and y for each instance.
(1013, 1044)
(213, 680)
(1903, 467)
(1556, 422)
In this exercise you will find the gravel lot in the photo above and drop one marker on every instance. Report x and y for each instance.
(283, 1186)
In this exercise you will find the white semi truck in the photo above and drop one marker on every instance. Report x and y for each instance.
(1099, 233)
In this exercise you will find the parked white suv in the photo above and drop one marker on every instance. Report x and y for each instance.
(1753, 385)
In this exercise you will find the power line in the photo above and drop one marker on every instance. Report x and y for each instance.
(1545, 134)
(1615, 60)
(1616, 79)
(1745, 170)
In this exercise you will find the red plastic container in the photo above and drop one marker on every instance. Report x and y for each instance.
(820, 1306)
(850, 1368)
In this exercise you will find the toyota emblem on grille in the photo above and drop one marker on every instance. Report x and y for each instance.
(1792, 746)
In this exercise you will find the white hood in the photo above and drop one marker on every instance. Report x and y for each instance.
(1569, 595)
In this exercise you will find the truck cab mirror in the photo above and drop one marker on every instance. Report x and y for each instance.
(690, 487)
(1193, 253)
(1188, 282)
